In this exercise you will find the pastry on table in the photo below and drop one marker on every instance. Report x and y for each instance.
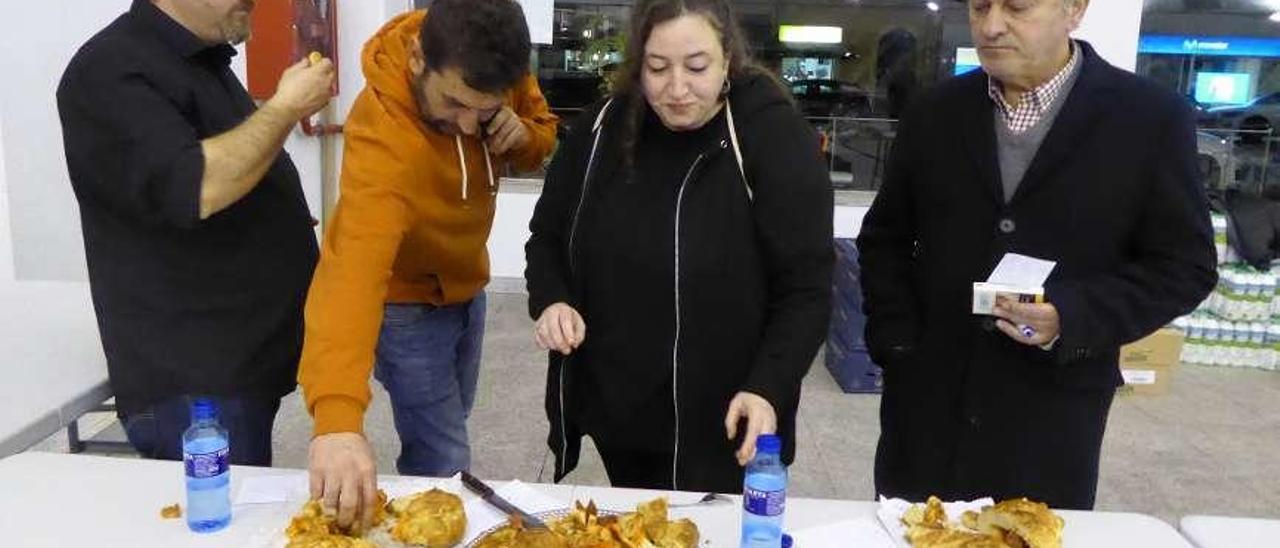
(932, 514)
(584, 527)
(329, 541)
(1017, 523)
(677, 534)
(314, 520)
(514, 535)
(1032, 522)
(433, 519)
(936, 537)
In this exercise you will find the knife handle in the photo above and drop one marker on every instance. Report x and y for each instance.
(476, 485)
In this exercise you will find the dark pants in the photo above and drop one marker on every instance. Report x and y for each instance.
(156, 432)
(642, 469)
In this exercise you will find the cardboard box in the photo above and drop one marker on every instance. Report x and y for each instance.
(1149, 365)
(984, 295)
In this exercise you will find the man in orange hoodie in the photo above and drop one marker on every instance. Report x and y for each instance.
(399, 289)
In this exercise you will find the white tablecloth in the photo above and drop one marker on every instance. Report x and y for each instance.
(58, 500)
(1222, 532)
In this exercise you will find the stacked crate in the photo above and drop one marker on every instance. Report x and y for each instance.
(846, 353)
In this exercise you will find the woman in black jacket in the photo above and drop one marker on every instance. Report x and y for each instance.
(680, 263)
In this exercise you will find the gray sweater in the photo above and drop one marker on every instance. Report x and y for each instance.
(1017, 150)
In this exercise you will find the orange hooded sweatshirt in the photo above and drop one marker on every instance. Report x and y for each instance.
(411, 225)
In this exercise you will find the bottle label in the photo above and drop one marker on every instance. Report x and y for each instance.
(207, 465)
(764, 503)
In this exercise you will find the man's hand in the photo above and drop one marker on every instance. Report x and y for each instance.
(344, 477)
(1032, 324)
(761, 419)
(560, 328)
(506, 132)
(304, 88)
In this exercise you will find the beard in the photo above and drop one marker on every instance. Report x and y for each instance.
(424, 109)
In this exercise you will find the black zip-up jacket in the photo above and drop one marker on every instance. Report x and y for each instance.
(694, 282)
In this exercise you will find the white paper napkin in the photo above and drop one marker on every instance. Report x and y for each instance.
(481, 516)
(274, 489)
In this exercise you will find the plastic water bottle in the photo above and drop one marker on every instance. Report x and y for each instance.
(1213, 343)
(1194, 347)
(764, 495)
(205, 451)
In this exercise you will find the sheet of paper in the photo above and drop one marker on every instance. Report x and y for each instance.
(273, 489)
(481, 516)
(1022, 271)
(861, 532)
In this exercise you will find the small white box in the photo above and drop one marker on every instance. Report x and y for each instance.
(984, 295)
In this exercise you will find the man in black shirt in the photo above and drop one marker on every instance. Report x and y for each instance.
(197, 234)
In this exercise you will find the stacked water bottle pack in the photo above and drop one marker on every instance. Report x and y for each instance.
(846, 351)
(1239, 324)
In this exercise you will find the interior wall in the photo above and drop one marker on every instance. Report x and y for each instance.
(1112, 27)
(38, 41)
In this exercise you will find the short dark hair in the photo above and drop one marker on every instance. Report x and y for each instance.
(487, 40)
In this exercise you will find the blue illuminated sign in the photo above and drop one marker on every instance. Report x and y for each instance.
(1233, 46)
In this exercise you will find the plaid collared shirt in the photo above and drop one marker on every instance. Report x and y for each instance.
(1034, 103)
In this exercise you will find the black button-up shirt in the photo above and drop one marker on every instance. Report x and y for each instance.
(184, 305)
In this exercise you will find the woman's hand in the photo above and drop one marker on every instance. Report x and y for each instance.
(560, 328)
(761, 419)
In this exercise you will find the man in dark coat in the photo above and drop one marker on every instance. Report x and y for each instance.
(1048, 152)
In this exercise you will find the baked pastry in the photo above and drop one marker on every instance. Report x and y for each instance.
(677, 534)
(1032, 522)
(313, 520)
(932, 514)
(433, 519)
(937, 537)
(329, 541)
(584, 527)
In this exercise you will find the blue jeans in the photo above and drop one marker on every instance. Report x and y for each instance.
(156, 432)
(428, 359)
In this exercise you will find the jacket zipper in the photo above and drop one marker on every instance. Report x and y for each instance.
(675, 345)
(582, 196)
(573, 232)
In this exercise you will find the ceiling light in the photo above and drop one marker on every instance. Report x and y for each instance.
(933, 6)
(810, 34)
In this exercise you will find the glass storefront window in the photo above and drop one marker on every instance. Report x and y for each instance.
(852, 67)
(1224, 57)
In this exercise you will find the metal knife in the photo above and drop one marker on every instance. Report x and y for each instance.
(475, 485)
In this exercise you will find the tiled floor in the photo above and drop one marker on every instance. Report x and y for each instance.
(1212, 446)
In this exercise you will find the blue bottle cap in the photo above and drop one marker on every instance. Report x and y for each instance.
(769, 443)
(204, 409)
(786, 540)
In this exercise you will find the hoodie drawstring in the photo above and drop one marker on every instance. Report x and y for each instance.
(462, 164)
(737, 151)
(488, 165)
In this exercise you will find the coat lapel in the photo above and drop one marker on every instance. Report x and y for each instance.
(979, 136)
(1084, 104)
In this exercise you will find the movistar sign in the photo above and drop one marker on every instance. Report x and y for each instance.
(1236, 46)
